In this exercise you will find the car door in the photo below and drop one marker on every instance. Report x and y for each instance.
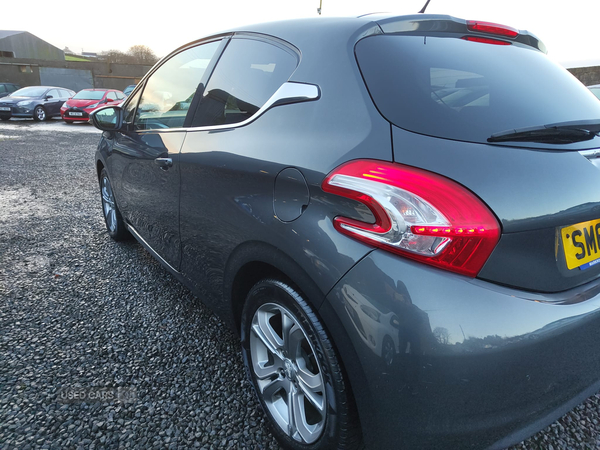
(144, 162)
(111, 98)
(225, 179)
(52, 105)
(65, 95)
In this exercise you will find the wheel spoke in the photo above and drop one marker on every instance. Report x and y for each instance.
(312, 381)
(292, 404)
(108, 200)
(308, 433)
(293, 341)
(266, 333)
(312, 387)
(264, 370)
(266, 358)
(112, 219)
(270, 388)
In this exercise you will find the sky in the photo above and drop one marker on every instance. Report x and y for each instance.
(570, 29)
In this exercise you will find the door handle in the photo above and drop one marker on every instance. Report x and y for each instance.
(164, 163)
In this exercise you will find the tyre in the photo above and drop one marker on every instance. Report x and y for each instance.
(112, 216)
(68, 122)
(4, 118)
(39, 114)
(295, 372)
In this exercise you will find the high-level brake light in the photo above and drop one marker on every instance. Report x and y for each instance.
(418, 214)
(492, 28)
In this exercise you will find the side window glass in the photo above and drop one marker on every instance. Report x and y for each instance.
(119, 95)
(2, 88)
(111, 97)
(247, 75)
(53, 93)
(64, 94)
(129, 110)
(169, 91)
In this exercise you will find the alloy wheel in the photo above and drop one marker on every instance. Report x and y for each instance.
(388, 351)
(288, 374)
(40, 113)
(108, 205)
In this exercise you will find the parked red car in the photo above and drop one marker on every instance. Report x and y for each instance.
(85, 101)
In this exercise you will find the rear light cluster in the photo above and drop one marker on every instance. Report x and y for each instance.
(418, 214)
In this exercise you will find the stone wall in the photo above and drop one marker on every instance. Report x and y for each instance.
(587, 75)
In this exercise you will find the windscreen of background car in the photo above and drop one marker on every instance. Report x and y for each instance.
(89, 95)
(595, 91)
(248, 73)
(456, 89)
(169, 91)
(30, 92)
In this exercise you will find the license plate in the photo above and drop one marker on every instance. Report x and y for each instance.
(582, 244)
(4, 108)
(78, 114)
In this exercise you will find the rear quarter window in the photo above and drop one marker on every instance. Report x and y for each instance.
(248, 73)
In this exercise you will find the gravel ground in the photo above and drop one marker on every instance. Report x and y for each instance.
(78, 310)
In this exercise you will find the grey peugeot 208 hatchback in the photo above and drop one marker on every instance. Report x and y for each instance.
(391, 211)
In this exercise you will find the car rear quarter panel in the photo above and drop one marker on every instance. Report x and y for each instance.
(474, 362)
(228, 180)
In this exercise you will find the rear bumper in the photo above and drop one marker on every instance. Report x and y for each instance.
(474, 365)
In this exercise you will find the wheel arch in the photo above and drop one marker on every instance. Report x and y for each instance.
(99, 167)
(253, 261)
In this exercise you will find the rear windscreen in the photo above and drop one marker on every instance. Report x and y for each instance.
(452, 88)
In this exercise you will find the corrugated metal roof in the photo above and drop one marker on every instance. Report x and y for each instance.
(7, 33)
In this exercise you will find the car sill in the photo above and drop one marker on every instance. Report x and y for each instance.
(147, 246)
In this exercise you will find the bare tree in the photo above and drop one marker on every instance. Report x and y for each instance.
(442, 335)
(117, 57)
(142, 54)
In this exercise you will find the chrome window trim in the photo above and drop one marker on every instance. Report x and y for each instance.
(164, 59)
(592, 156)
(288, 93)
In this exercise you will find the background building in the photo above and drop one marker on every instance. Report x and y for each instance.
(22, 44)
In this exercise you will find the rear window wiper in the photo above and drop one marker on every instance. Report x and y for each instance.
(554, 133)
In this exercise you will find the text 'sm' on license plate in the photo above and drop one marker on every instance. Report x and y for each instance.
(4, 108)
(78, 114)
(582, 244)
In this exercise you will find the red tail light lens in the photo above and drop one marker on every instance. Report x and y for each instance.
(492, 28)
(418, 214)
